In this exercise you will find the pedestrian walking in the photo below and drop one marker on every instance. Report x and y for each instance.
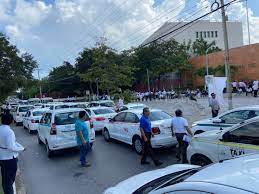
(146, 134)
(181, 130)
(9, 150)
(82, 136)
(255, 87)
(214, 104)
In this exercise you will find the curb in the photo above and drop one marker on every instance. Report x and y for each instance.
(19, 183)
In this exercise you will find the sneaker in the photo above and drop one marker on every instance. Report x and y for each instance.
(144, 162)
(158, 163)
(86, 165)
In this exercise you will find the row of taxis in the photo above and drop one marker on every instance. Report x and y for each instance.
(230, 141)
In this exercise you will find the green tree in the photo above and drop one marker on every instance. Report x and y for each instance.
(15, 69)
(200, 46)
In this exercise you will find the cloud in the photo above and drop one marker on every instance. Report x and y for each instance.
(59, 31)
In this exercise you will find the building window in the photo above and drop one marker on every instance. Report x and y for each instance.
(197, 34)
(200, 34)
(204, 34)
(212, 34)
(208, 34)
(216, 34)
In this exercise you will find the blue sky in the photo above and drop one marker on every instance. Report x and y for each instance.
(57, 30)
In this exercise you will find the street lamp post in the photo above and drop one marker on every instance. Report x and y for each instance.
(207, 61)
(248, 25)
(97, 88)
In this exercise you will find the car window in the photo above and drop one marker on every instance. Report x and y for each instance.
(27, 114)
(103, 111)
(247, 134)
(66, 118)
(51, 107)
(238, 116)
(120, 117)
(159, 115)
(47, 119)
(25, 109)
(38, 113)
(123, 108)
(107, 104)
(88, 111)
(131, 118)
(61, 106)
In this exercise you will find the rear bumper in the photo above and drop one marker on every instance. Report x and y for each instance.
(19, 119)
(163, 141)
(33, 126)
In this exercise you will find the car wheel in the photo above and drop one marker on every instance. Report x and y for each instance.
(106, 135)
(137, 145)
(198, 132)
(39, 140)
(49, 151)
(200, 160)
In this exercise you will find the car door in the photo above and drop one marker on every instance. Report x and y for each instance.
(129, 127)
(116, 125)
(240, 141)
(25, 119)
(45, 125)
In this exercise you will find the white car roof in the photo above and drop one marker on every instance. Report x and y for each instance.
(254, 107)
(64, 110)
(140, 111)
(241, 172)
(39, 109)
(99, 107)
(101, 101)
(25, 106)
(135, 104)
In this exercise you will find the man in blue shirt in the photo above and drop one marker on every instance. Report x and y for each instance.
(82, 137)
(146, 134)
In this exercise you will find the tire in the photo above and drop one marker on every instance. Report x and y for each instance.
(200, 160)
(106, 135)
(39, 140)
(198, 132)
(137, 144)
(49, 151)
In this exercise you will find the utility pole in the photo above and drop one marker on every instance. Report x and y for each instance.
(227, 68)
(207, 62)
(39, 83)
(148, 83)
(248, 24)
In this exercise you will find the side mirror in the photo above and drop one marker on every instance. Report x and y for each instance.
(217, 121)
(226, 136)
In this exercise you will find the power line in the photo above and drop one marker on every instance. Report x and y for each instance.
(188, 23)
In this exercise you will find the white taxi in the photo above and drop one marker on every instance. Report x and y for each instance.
(57, 129)
(100, 116)
(226, 120)
(32, 118)
(236, 176)
(19, 113)
(217, 145)
(125, 128)
(130, 106)
(56, 106)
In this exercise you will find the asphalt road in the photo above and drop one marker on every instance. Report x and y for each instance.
(111, 162)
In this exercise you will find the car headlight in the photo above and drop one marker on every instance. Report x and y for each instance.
(194, 124)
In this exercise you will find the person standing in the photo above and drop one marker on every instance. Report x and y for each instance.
(146, 134)
(214, 104)
(180, 129)
(82, 136)
(9, 150)
(255, 87)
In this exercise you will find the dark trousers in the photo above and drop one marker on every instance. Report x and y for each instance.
(182, 147)
(147, 149)
(214, 113)
(84, 149)
(255, 93)
(8, 171)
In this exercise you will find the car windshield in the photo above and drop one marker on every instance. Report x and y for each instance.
(66, 118)
(78, 106)
(167, 180)
(102, 111)
(107, 104)
(159, 115)
(137, 107)
(25, 109)
(38, 113)
(61, 106)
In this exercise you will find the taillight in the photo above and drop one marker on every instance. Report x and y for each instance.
(53, 130)
(155, 130)
(91, 123)
(100, 119)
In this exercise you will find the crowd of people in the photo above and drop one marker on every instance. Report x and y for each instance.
(250, 87)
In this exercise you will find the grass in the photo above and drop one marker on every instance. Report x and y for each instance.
(1, 191)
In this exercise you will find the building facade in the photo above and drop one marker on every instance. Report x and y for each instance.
(209, 31)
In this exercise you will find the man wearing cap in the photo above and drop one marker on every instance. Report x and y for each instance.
(214, 104)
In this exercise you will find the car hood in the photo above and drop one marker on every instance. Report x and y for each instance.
(203, 121)
(132, 184)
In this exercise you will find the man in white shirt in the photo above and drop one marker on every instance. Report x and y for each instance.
(214, 104)
(180, 129)
(255, 88)
(9, 149)
(234, 86)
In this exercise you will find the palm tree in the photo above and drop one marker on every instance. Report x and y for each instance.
(200, 46)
